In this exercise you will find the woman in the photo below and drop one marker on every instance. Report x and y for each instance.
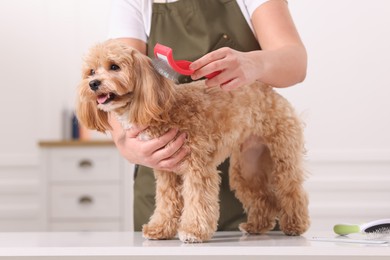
(247, 40)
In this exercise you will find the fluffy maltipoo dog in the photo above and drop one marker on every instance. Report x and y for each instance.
(253, 125)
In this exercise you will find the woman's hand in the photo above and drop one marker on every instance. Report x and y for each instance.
(236, 68)
(163, 153)
(282, 62)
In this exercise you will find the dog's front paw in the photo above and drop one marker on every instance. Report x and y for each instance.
(189, 238)
(193, 237)
(155, 231)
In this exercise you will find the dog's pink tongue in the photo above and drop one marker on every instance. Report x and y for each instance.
(103, 98)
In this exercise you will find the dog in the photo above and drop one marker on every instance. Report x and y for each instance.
(253, 125)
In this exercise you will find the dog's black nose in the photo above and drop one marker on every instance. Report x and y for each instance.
(94, 84)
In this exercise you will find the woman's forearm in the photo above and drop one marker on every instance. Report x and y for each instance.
(282, 67)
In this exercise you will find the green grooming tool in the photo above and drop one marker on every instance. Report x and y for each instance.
(377, 226)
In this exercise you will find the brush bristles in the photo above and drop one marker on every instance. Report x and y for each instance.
(166, 70)
(382, 233)
(377, 227)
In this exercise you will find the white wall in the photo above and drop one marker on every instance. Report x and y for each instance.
(345, 96)
(42, 43)
(344, 100)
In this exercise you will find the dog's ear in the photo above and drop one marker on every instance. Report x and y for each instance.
(153, 94)
(91, 117)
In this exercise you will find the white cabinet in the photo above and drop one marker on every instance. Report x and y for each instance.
(87, 186)
(20, 204)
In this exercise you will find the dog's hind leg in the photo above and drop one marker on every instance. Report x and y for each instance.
(288, 176)
(163, 223)
(250, 168)
(201, 206)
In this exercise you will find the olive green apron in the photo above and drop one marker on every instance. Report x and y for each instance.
(193, 28)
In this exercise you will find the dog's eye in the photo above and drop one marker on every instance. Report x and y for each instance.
(92, 72)
(114, 67)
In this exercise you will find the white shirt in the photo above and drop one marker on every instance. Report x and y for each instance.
(132, 18)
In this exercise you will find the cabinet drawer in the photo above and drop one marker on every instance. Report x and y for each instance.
(86, 163)
(85, 201)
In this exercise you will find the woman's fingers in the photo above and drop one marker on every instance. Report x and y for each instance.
(235, 68)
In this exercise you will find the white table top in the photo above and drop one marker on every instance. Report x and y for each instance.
(224, 245)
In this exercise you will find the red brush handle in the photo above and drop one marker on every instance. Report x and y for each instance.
(213, 74)
(180, 66)
(165, 53)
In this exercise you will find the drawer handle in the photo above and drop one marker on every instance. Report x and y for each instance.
(85, 164)
(85, 200)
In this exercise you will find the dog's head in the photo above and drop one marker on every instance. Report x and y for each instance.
(117, 78)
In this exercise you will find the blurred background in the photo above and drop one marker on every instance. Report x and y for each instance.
(48, 183)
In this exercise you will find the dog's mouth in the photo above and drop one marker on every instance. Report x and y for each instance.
(105, 98)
